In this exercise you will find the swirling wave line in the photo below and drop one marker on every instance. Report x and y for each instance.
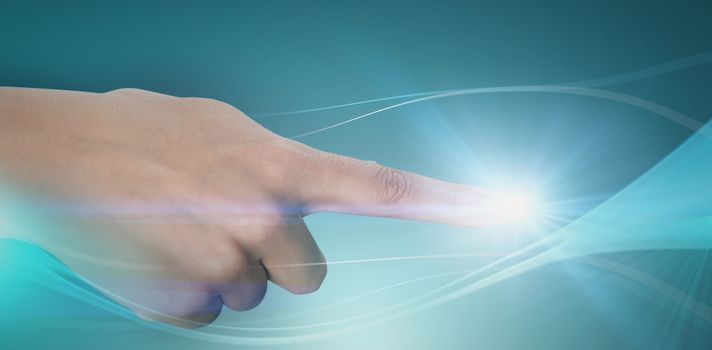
(641, 103)
(641, 74)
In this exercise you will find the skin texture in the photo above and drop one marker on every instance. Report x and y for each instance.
(175, 206)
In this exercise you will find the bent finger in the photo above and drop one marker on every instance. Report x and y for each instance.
(292, 258)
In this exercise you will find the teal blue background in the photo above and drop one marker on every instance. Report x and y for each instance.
(274, 56)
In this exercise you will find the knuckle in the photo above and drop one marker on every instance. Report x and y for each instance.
(269, 233)
(128, 91)
(221, 261)
(210, 105)
(140, 93)
(250, 298)
(277, 162)
(281, 168)
(255, 300)
(393, 186)
(201, 100)
(314, 282)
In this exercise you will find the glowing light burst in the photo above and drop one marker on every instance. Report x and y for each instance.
(513, 208)
(518, 209)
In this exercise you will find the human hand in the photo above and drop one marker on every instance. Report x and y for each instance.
(176, 206)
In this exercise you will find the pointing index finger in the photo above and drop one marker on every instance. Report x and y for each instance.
(342, 184)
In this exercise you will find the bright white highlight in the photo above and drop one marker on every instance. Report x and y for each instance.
(513, 208)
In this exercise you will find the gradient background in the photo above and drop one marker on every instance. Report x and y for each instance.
(274, 56)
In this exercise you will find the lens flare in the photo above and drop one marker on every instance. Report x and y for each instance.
(513, 208)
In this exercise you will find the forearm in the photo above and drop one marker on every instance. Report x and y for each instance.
(31, 133)
(28, 129)
(44, 134)
(17, 108)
